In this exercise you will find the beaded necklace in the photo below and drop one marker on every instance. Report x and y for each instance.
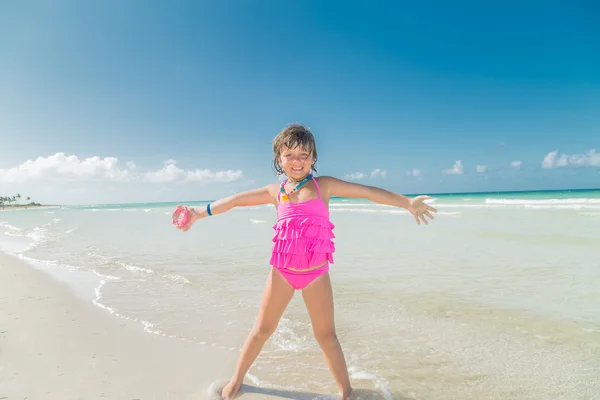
(286, 196)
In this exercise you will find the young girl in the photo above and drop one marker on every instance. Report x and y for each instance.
(303, 248)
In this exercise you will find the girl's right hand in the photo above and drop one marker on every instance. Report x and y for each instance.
(192, 218)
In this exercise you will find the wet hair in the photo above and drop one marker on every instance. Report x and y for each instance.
(294, 135)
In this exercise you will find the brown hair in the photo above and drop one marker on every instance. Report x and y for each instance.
(292, 136)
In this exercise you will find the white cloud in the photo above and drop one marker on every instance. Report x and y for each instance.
(457, 169)
(481, 168)
(550, 160)
(356, 176)
(378, 172)
(168, 173)
(62, 167)
(413, 172)
(589, 159)
(171, 173)
(169, 161)
(516, 164)
(219, 176)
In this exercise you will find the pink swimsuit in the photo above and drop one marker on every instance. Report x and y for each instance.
(302, 240)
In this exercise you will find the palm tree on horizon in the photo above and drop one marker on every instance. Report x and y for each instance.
(6, 200)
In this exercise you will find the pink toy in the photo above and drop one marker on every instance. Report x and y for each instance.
(180, 216)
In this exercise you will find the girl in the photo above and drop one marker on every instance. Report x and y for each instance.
(302, 248)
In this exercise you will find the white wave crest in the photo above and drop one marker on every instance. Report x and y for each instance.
(542, 201)
(4, 224)
(133, 268)
(522, 206)
(177, 278)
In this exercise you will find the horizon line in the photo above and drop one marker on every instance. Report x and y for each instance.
(336, 197)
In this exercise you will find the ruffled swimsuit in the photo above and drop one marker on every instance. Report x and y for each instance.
(302, 240)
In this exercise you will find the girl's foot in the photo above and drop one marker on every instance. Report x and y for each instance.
(231, 391)
(349, 396)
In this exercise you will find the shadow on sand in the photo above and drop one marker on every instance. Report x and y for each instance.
(253, 392)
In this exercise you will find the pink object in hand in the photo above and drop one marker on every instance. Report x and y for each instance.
(180, 216)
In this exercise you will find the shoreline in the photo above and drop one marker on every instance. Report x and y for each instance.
(57, 346)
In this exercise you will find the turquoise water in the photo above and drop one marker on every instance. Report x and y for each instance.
(496, 299)
(558, 195)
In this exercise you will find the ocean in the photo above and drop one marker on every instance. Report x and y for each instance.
(497, 298)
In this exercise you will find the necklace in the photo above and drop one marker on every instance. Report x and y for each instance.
(286, 196)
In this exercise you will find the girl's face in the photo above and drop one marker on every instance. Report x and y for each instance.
(296, 162)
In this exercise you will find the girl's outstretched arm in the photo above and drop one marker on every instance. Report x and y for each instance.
(256, 197)
(264, 195)
(341, 188)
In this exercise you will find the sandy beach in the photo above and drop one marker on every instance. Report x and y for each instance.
(55, 345)
(112, 302)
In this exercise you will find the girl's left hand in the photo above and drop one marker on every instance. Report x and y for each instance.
(419, 209)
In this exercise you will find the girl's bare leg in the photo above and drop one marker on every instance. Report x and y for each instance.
(318, 297)
(276, 296)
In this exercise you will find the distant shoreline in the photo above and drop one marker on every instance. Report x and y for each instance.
(7, 207)
(441, 194)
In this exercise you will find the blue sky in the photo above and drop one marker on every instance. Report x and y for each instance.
(118, 101)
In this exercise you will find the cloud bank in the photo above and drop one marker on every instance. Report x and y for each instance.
(588, 159)
(357, 176)
(62, 167)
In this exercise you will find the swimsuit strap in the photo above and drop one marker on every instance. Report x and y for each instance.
(279, 191)
(317, 185)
